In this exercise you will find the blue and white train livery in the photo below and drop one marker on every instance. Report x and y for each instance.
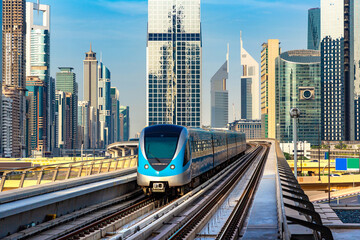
(171, 156)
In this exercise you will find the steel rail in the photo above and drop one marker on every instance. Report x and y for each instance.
(188, 227)
(107, 220)
(235, 222)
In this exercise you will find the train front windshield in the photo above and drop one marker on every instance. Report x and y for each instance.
(160, 147)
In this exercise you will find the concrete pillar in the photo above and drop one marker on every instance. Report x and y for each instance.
(123, 152)
(132, 151)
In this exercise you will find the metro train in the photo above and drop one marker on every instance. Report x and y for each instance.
(171, 158)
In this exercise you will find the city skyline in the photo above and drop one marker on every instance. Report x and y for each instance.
(74, 28)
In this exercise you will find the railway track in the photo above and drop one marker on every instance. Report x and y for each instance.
(69, 224)
(178, 220)
(192, 226)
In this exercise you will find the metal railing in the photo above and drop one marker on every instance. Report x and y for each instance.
(13, 179)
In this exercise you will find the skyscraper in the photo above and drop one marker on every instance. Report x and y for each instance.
(91, 78)
(38, 65)
(36, 115)
(270, 51)
(250, 71)
(340, 65)
(83, 124)
(124, 123)
(355, 54)
(6, 128)
(1, 52)
(298, 85)
(173, 69)
(246, 98)
(66, 83)
(65, 120)
(104, 104)
(115, 114)
(220, 96)
(13, 68)
(313, 29)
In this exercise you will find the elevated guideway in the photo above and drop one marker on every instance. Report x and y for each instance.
(278, 208)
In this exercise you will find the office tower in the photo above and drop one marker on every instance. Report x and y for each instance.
(6, 128)
(36, 115)
(298, 85)
(91, 78)
(173, 69)
(64, 120)
(13, 68)
(124, 123)
(94, 129)
(340, 68)
(251, 128)
(66, 82)
(38, 65)
(104, 104)
(83, 124)
(220, 96)
(115, 114)
(313, 34)
(250, 71)
(270, 51)
(246, 98)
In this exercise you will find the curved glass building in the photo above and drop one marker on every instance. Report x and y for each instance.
(298, 84)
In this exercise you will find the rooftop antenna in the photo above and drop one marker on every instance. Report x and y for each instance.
(38, 7)
(227, 57)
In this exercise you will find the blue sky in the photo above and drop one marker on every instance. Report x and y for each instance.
(117, 31)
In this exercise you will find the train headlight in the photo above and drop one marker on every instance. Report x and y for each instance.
(146, 166)
(172, 166)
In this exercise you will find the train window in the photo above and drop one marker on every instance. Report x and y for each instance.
(187, 154)
(160, 146)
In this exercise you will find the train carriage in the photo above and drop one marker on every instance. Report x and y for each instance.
(171, 156)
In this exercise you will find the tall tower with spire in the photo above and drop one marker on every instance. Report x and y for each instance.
(91, 78)
(250, 81)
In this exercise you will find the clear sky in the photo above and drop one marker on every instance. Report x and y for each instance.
(117, 31)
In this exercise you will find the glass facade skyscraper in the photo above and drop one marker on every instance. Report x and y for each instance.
(66, 83)
(220, 96)
(246, 98)
(313, 29)
(104, 104)
(250, 71)
(298, 85)
(173, 63)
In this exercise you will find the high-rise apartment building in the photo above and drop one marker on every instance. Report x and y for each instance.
(250, 74)
(173, 69)
(6, 128)
(38, 66)
(115, 114)
(125, 123)
(314, 32)
(298, 85)
(1, 149)
(13, 68)
(91, 78)
(340, 69)
(104, 104)
(66, 82)
(220, 96)
(270, 51)
(36, 115)
(355, 55)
